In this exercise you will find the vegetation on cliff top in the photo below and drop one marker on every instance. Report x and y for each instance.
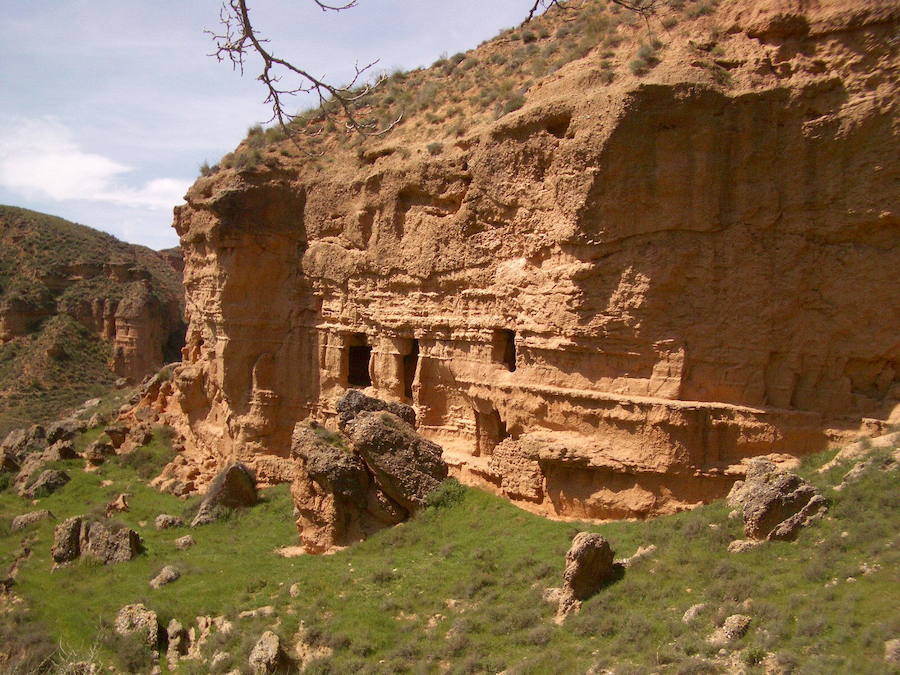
(438, 106)
(460, 585)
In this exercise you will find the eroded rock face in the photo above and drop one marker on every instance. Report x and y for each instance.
(349, 486)
(630, 288)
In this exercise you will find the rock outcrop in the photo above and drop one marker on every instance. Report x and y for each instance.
(107, 544)
(137, 619)
(348, 486)
(599, 305)
(589, 564)
(775, 504)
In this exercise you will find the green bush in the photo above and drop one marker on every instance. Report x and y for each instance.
(448, 494)
(435, 148)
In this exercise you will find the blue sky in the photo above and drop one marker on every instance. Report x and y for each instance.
(108, 107)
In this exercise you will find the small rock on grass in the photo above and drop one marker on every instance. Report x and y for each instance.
(184, 543)
(28, 519)
(166, 575)
(734, 628)
(164, 521)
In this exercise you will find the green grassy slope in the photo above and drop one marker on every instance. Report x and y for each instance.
(460, 586)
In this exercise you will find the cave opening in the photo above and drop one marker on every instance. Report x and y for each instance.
(410, 364)
(505, 348)
(490, 431)
(359, 355)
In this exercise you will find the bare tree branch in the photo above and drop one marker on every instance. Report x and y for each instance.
(282, 79)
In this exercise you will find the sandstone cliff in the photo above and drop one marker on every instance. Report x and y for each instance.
(599, 304)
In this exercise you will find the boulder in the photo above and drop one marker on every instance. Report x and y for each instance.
(892, 651)
(8, 461)
(98, 451)
(138, 619)
(775, 504)
(29, 519)
(166, 575)
(589, 564)
(60, 450)
(164, 521)
(66, 540)
(355, 402)
(47, 483)
(63, 430)
(76, 536)
(266, 655)
(117, 433)
(107, 544)
(233, 487)
(22, 442)
(406, 466)
(184, 543)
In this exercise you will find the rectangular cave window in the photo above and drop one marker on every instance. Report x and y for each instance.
(410, 363)
(505, 349)
(359, 354)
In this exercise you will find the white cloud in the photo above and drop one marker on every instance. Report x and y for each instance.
(39, 158)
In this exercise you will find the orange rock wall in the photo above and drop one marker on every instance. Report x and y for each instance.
(685, 274)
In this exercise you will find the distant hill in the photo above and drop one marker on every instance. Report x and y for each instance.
(78, 308)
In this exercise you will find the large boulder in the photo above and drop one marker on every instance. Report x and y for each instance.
(336, 501)
(47, 483)
(407, 467)
(22, 442)
(589, 564)
(110, 545)
(355, 402)
(117, 433)
(98, 451)
(60, 450)
(233, 487)
(775, 504)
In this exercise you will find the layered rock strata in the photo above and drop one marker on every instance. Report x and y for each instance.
(600, 305)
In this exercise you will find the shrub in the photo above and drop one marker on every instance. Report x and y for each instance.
(435, 148)
(448, 494)
(205, 169)
(6, 480)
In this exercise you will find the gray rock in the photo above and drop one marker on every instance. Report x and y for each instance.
(164, 521)
(63, 430)
(406, 466)
(138, 619)
(66, 540)
(166, 575)
(29, 519)
(233, 487)
(60, 450)
(47, 483)
(109, 545)
(266, 656)
(184, 543)
(775, 504)
(355, 402)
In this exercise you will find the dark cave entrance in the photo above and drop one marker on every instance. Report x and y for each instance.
(359, 354)
(505, 348)
(410, 364)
